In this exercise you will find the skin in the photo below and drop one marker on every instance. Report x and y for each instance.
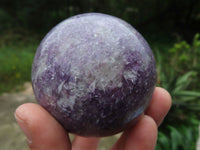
(44, 132)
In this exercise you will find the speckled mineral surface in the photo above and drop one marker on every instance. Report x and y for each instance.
(94, 73)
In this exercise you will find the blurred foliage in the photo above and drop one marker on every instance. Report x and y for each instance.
(185, 56)
(18, 37)
(16, 65)
(178, 138)
(180, 76)
(41, 15)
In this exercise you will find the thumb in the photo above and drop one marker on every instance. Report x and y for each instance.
(41, 129)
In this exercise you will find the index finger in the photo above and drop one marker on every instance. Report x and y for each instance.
(160, 105)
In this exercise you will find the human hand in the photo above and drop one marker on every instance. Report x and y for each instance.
(43, 132)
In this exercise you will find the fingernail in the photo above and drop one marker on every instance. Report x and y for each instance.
(23, 125)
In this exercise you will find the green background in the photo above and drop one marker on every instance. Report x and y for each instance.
(171, 27)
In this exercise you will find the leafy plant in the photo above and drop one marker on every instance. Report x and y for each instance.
(181, 138)
(185, 57)
(180, 128)
(181, 84)
(16, 65)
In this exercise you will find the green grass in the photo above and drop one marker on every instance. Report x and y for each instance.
(16, 62)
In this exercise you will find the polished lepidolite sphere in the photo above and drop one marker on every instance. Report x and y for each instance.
(94, 73)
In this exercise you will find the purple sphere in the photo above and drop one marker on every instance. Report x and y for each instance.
(95, 74)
